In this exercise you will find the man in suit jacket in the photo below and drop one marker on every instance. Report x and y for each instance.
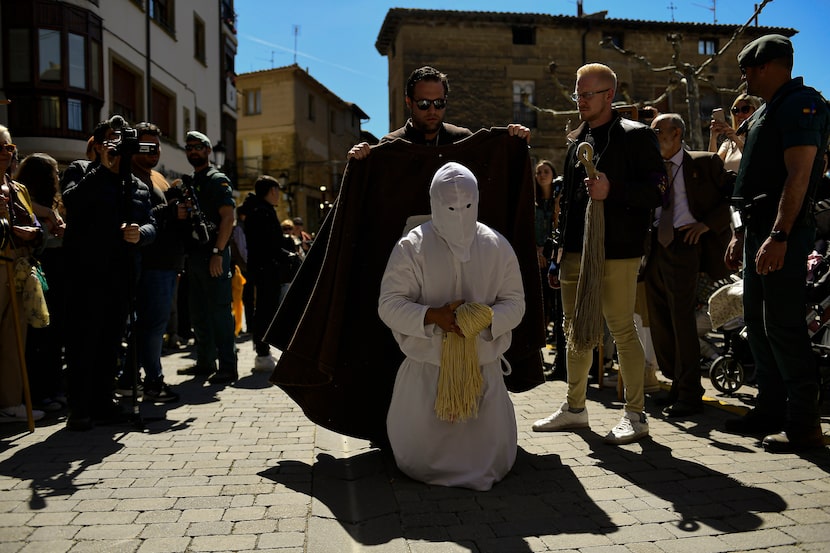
(691, 234)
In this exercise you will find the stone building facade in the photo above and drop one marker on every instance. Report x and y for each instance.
(295, 129)
(66, 65)
(496, 61)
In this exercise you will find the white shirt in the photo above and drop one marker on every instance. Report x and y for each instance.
(682, 215)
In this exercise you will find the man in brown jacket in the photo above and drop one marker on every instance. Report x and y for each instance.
(690, 236)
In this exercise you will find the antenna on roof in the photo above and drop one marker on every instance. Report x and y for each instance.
(296, 32)
(672, 9)
(713, 8)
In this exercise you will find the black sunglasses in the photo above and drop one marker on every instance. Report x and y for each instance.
(743, 109)
(197, 147)
(439, 103)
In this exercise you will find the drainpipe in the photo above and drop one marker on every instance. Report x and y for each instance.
(149, 99)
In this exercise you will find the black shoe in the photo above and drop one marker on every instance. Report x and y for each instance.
(755, 423)
(79, 422)
(159, 392)
(665, 400)
(683, 409)
(126, 390)
(785, 442)
(110, 413)
(224, 377)
(197, 370)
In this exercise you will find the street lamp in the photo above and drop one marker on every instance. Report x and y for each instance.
(219, 155)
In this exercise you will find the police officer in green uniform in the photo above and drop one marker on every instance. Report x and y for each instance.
(780, 168)
(209, 268)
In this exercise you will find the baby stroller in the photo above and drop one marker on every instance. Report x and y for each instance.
(736, 366)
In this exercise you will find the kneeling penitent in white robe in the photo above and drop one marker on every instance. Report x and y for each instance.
(426, 270)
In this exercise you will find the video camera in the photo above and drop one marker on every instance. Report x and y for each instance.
(202, 228)
(126, 140)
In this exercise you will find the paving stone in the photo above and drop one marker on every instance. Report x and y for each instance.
(164, 545)
(211, 528)
(702, 544)
(46, 533)
(15, 533)
(279, 540)
(52, 519)
(54, 546)
(109, 532)
(242, 542)
(165, 530)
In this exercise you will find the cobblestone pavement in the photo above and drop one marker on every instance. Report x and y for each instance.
(239, 468)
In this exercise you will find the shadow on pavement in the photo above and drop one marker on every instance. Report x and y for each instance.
(374, 503)
(698, 494)
(56, 464)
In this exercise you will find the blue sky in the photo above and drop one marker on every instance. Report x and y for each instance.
(336, 38)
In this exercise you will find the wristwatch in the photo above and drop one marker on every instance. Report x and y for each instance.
(217, 251)
(778, 235)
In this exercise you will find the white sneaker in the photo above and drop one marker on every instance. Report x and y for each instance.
(632, 427)
(18, 414)
(562, 419)
(264, 363)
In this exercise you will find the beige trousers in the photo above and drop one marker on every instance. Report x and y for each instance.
(619, 291)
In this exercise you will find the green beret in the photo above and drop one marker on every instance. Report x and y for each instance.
(765, 49)
(196, 135)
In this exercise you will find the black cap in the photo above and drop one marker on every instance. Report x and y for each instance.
(765, 49)
(199, 137)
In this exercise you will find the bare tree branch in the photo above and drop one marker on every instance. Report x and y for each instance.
(565, 91)
(608, 42)
(738, 32)
(549, 111)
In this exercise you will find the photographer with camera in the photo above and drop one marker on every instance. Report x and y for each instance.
(161, 263)
(209, 264)
(107, 216)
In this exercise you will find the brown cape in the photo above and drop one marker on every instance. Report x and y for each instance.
(339, 360)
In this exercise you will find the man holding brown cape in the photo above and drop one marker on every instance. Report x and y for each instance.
(339, 361)
(602, 251)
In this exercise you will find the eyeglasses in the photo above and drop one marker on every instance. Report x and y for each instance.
(587, 95)
(743, 109)
(439, 103)
(197, 147)
(9, 148)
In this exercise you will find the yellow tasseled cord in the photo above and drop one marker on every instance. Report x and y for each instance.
(460, 379)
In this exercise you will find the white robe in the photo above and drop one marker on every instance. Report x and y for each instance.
(421, 273)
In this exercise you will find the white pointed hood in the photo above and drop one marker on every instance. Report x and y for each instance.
(453, 197)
